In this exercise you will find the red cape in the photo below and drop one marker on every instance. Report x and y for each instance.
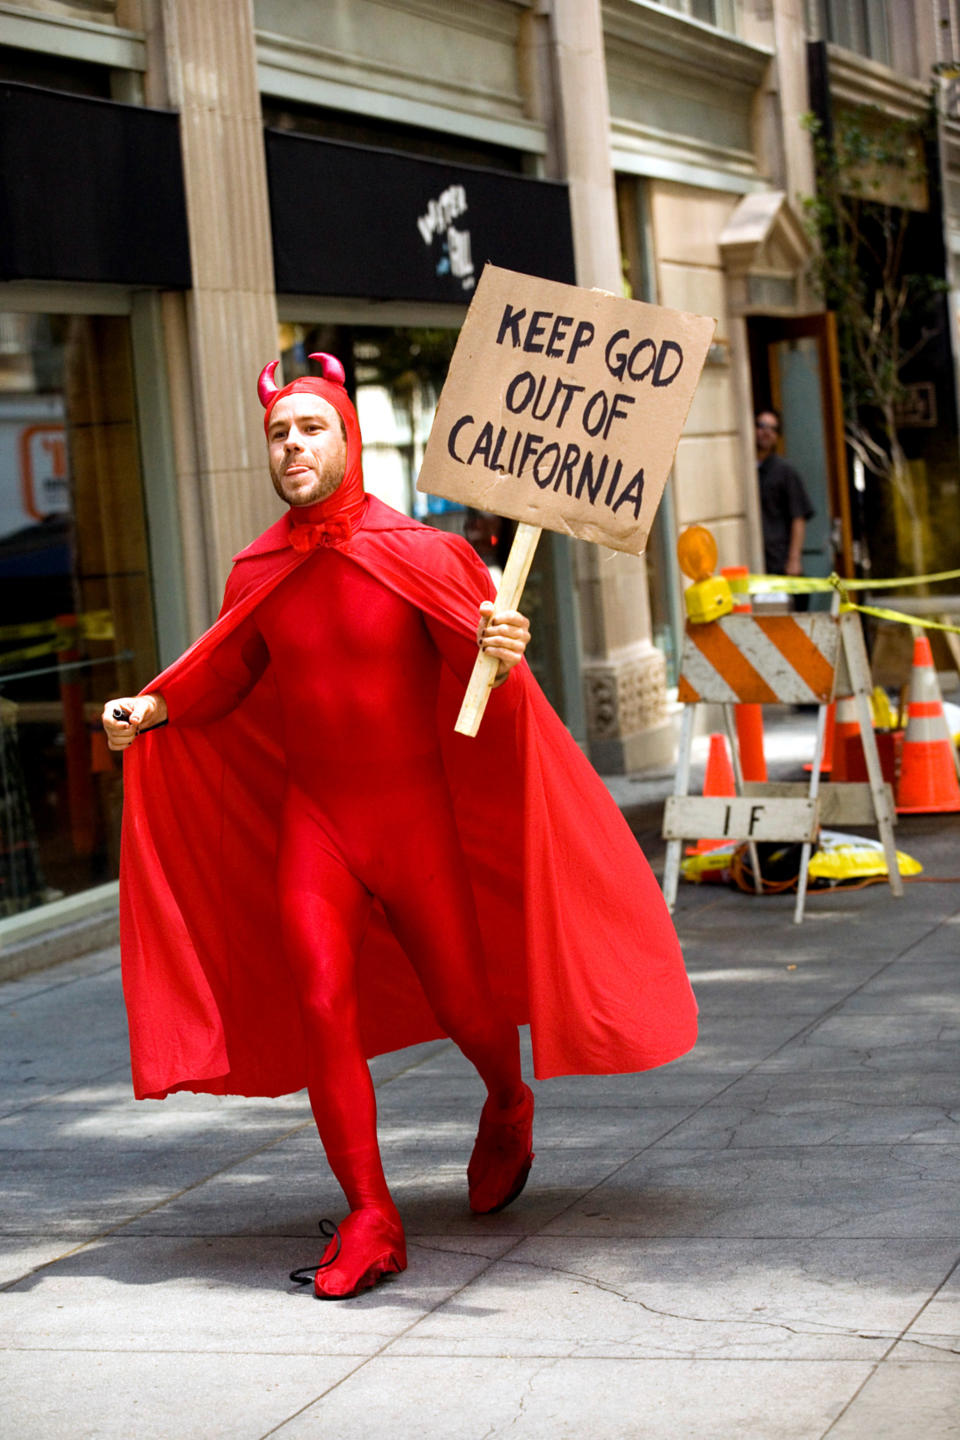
(578, 938)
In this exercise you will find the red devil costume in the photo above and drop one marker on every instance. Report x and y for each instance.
(316, 868)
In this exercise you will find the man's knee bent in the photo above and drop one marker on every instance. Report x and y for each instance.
(473, 1028)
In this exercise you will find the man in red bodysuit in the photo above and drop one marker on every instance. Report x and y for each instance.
(309, 728)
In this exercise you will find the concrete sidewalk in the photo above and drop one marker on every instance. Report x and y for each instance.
(760, 1242)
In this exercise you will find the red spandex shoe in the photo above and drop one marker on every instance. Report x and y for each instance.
(368, 1245)
(502, 1155)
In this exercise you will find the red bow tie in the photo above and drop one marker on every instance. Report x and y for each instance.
(325, 532)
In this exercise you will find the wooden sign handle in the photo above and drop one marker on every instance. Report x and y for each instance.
(508, 598)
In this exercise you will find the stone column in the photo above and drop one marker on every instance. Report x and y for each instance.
(782, 144)
(624, 674)
(202, 62)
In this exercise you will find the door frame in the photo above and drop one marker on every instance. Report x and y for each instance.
(821, 327)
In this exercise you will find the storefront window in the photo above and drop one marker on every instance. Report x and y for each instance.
(395, 377)
(76, 614)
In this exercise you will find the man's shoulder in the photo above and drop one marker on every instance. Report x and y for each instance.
(776, 471)
(777, 465)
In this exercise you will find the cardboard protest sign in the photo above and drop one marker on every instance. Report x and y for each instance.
(563, 407)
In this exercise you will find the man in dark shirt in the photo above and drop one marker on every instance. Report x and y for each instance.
(784, 503)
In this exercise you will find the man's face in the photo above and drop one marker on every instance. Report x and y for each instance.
(768, 433)
(308, 453)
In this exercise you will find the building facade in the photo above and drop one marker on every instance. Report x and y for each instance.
(190, 189)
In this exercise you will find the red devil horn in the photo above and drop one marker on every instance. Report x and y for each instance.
(266, 386)
(330, 367)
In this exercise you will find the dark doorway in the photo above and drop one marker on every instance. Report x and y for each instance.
(795, 369)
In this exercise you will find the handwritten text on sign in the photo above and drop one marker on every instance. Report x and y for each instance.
(563, 407)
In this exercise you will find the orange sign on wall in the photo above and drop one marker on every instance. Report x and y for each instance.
(43, 470)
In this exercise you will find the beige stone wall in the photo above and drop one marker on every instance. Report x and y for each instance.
(457, 53)
(712, 468)
(673, 102)
(782, 144)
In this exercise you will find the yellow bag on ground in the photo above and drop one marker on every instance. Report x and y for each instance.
(853, 857)
(837, 858)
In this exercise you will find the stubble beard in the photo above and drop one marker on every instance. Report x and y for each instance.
(325, 483)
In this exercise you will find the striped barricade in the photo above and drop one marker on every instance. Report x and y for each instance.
(804, 659)
(761, 660)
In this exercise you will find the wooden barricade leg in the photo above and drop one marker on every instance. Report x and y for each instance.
(729, 720)
(681, 786)
(855, 654)
(807, 849)
(813, 793)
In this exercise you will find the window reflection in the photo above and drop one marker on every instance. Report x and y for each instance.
(76, 616)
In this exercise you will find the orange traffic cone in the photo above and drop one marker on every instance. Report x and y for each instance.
(718, 780)
(849, 761)
(749, 722)
(928, 775)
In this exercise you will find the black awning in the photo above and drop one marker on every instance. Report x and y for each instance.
(355, 221)
(90, 190)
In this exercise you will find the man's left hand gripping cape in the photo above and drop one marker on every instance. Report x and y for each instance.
(577, 937)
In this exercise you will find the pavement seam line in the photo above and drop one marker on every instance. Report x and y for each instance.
(929, 1300)
(378, 1353)
(669, 1131)
(53, 984)
(443, 1300)
(875, 1369)
(431, 1355)
(123, 1065)
(909, 956)
(151, 1209)
(809, 1027)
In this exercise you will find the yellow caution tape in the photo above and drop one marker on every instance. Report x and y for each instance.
(21, 632)
(881, 613)
(92, 624)
(900, 584)
(64, 634)
(29, 652)
(820, 585)
(813, 584)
